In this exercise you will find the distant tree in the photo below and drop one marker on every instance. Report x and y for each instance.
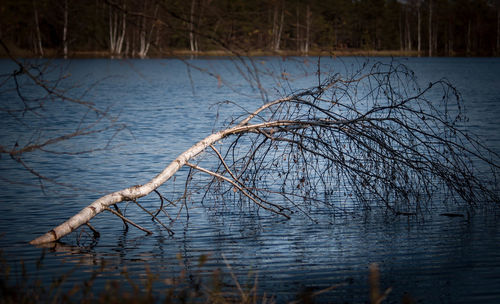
(193, 42)
(147, 27)
(429, 26)
(65, 30)
(38, 42)
(278, 23)
(117, 27)
(497, 6)
(419, 27)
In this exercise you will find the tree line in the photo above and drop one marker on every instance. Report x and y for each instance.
(132, 28)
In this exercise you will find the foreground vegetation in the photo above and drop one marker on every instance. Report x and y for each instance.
(218, 287)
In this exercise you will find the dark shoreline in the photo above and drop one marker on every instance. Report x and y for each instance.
(53, 54)
(184, 53)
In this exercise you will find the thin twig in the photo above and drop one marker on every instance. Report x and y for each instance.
(281, 208)
(237, 187)
(154, 217)
(161, 205)
(127, 220)
(96, 233)
(119, 211)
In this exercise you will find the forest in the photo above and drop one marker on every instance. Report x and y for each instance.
(158, 28)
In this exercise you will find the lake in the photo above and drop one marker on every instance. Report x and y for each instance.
(167, 105)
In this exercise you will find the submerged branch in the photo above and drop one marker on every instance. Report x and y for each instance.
(124, 219)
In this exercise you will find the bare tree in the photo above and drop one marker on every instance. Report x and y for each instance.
(408, 29)
(117, 29)
(430, 28)
(65, 30)
(498, 26)
(147, 27)
(468, 46)
(419, 29)
(372, 137)
(297, 26)
(193, 43)
(278, 20)
(38, 43)
(303, 43)
(308, 29)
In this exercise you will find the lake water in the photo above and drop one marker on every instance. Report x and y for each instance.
(167, 106)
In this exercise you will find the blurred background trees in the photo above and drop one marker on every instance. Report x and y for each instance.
(132, 28)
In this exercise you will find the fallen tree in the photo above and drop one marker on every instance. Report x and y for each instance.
(373, 136)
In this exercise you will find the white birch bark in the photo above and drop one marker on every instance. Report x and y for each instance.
(121, 38)
(144, 35)
(308, 26)
(112, 32)
(138, 191)
(278, 20)
(117, 21)
(298, 30)
(430, 28)
(191, 27)
(37, 28)
(65, 30)
(280, 29)
(275, 27)
(419, 30)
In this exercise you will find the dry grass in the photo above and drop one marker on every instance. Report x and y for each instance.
(180, 288)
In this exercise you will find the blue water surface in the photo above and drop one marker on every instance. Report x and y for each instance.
(166, 106)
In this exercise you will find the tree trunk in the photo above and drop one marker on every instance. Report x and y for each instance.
(408, 31)
(112, 31)
(144, 35)
(38, 43)
(435, 40)
(192, 43)
(199, 25)
(401, 32)
(335, 33)
(126, 52)
(298, 30)
(142, 39)
(498, 29)
(450, 39)
(157, 39)
(468, 48)
(430, 28)
(419, 30)
(117, 21)
(133, 42)
(278, 19)
(308, 27)
(65, 30)
(121, 38)
(280, 30)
